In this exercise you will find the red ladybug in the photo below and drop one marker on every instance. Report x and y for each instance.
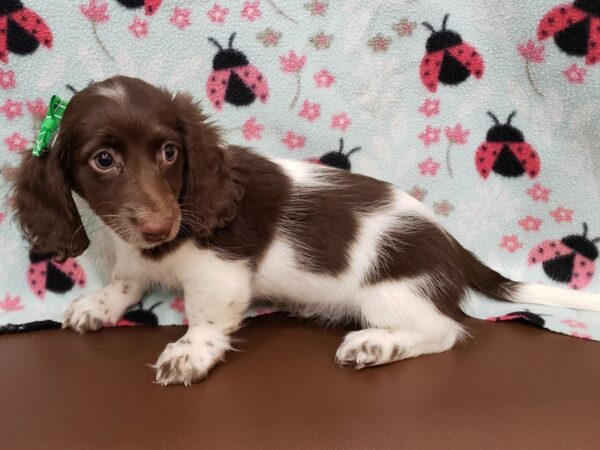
(576, 29)
(21, 30)
(150, 6)
(448, 59)
(45, 274)
(569, 260)
(234, 80)
(506, 152)
(525, 316)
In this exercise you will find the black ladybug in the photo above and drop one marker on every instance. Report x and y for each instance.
(576, 29)
(233, 79)
(506, 152)
(448, 59)
(140, 316)
(338, 159)
(46, 274)
(570, 260)
(21, 30)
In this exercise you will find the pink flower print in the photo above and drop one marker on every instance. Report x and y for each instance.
(181, 17)
(95, 12)
(293, 140)
(2, 217)
(561, 214)
(139, 27)
(457, 135)
(531, 51)
(341, 121)
(252, 129)
(379, 43)
(430, 135)
(530, 223)
(269, 37)
(429, 167)
(37, 108)
(310, 111)
(12, 109)
(321, 41)
(443, 208)
(581, 336)
(430, 107)
(251, 10)
(418, 193)
(292, 63)
(178, 305)
(575, 74)
(11, 304)
(324, 79)
(539, 193)
(16, 142)
(511, 243)
(404, 28)
(317, 7)
(7, 79)
(574, 323)
(217, 14)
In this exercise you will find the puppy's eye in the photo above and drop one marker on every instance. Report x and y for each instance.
(104, 161)
(169, 152)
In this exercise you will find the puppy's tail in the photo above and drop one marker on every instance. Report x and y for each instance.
(490, 283)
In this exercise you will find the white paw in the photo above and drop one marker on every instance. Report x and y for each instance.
(190, 359)
(368, 347)
(89, 313)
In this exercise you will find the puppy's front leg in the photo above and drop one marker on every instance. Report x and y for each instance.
(92, 311)
(215, 301)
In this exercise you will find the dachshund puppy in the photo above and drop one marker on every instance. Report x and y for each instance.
(226, 225)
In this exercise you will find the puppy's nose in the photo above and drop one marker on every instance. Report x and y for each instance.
(156, 229)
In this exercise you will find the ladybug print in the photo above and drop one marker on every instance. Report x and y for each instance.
(139, 316)
(21, 30)
(506, 152)
(150, 6)
(45, 274)
(570, 260)
(575, 28)
(525, 316)
(338, 159)
(448, 60)
(233, 79)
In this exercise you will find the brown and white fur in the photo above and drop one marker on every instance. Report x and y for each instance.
(227, 225)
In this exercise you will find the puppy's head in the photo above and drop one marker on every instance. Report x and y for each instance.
(146, 161)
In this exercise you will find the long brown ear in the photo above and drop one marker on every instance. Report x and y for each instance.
(212, 189)
(44, 205)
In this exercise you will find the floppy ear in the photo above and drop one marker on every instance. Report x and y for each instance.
(212, 188)
(44, 205)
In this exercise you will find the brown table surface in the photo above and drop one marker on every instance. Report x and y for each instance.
(512, 387)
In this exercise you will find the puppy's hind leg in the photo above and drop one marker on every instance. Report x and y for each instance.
(401, 322)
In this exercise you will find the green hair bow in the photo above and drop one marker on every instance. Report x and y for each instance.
(50, 125)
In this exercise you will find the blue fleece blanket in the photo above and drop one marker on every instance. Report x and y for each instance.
(488, 114)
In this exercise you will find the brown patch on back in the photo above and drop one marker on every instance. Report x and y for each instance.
(266, 191)
(322, 222)
(417, 247)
